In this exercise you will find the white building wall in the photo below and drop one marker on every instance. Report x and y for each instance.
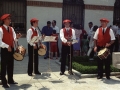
(44, 14)
(95, 15)
(100, 2)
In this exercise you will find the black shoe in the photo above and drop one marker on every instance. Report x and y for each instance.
(38, 73)
(45, 57)
(5, 86)
(30, 74)
(108, 78)
(61, 73)
(12, 82)
(70, 72)
(99, 77)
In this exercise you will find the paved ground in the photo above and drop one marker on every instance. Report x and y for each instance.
(51, 80)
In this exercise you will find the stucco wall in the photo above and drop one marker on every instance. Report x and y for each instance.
(100, 2)
(44, 14)
(95, 15)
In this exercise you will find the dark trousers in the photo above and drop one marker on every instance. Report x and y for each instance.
(65, 53)
(7, 64)
(107, 66)
(30, 60)
(92, 53)
(116, 45)
(47, 46)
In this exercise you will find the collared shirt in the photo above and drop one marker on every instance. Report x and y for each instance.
(57, 29)
(115, 29)
(47, 31)
(2, 44)
(90, 32)
(62, 35)
(118, 32)
(111, 34)
(29, 35)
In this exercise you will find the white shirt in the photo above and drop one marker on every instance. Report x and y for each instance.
(29, 34)
(62, 35)
(90, 32)
(115, 29)
(57, 29)
(3, 44)
(111, 34)
(118, 32)
(91, 43)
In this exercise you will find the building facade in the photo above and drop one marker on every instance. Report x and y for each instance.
(79, 11)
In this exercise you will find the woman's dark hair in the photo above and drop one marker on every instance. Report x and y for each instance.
(95, 28)
(85, 36)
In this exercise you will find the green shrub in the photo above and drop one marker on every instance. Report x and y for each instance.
(85, 66)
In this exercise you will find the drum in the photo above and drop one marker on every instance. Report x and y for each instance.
(103, 54)
(19, 54)
(42, 50)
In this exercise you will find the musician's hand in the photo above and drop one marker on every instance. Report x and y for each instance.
(95, 49)
(107, 45)
(43, 36)
(42, 46)
(18, 35)
(69, 43)
(17, 50)
(9, 49)
(35, 47)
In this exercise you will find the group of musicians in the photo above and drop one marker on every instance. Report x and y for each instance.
(104, 37)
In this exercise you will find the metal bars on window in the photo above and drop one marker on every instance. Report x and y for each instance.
(17, 9)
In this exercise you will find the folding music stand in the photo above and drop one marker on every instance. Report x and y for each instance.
(73, 41)
(49, 39)
(34, 40)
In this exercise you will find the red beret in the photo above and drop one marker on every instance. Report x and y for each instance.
(34, 20)
(5, 16)
(67, 20)
(104, 19)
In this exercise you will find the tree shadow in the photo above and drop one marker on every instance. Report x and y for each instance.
(44, 88)
(56, 81)
(111, 81)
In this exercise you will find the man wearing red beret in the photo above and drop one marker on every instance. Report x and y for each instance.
(67, 34)
(104, 38)
(30, 34)
(7, 39)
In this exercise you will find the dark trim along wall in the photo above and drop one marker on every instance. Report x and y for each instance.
(99, 7)
(59, 5)
(44, 4)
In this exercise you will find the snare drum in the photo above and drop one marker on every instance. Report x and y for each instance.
(42, 50)
(19, 54)
(103, 54)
